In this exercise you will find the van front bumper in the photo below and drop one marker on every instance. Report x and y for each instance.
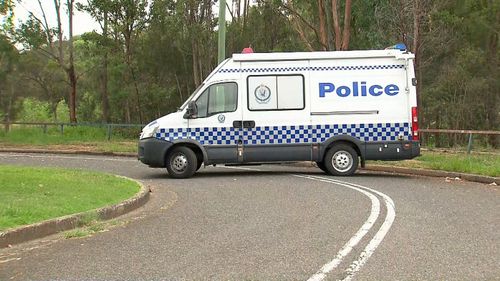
(151, 151)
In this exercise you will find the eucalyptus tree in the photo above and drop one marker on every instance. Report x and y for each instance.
(37, 35)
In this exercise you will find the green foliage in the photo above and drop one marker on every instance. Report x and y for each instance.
(45, 193)
(34, 110)
(7, 11)
(31, 34)
(148, 58)
(89, 109)
(62, 111)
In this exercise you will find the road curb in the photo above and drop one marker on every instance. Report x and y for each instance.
(52, 226)
(418, 172)
(433, 173)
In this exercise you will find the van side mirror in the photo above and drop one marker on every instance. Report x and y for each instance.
(191, 110)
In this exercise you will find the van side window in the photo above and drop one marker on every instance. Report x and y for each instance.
(276, 92)
(217, 98)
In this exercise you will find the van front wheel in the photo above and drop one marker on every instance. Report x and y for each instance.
(341, 160)
(181, 162)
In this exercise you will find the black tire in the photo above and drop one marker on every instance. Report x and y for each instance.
(322, 166)
(181, 162)
(199, 164)
(341, 160)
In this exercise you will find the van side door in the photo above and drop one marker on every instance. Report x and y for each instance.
(276, 116)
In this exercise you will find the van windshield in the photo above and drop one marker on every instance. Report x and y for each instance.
(190, 97)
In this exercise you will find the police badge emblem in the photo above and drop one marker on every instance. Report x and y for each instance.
(221, 118)
(262, 94)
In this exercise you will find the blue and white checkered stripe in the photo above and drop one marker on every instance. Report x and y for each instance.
(278, 135)
(288, 134)
(206, 135)
(363, 132)
(311, 68)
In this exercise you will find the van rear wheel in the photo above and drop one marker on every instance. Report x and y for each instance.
(341, 160)
(181, 162)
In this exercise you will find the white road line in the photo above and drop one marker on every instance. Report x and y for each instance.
(8, 260)
(69, 157)
(347, 248)
(379, 236)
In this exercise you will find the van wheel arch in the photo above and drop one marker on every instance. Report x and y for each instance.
(345, 139)
(198, 150)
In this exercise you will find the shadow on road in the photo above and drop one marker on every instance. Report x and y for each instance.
(231, 172)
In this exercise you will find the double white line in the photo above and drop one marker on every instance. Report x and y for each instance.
(348, 247)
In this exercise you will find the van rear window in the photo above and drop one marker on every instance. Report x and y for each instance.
(275, 92)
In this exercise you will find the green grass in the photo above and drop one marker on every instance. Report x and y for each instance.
(73, 138)
(29, 195)
(481, 164)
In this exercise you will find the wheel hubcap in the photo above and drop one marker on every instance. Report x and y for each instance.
(179, 162)
(342, 161)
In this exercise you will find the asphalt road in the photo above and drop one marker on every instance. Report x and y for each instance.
(275, 223)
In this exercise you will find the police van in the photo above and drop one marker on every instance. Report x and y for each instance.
(337, 109)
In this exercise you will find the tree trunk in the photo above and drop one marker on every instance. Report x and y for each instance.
(137, 95)
(53, 108)
(329, 26)
(71, 66)
(416, 48)
(128, 60)
(57, 5)
(302, 35)
(245, 12)
(336, 25)
(492, 108)
(8, 115)
(179, 88)
(322, 25)
(72, 96)
(346, 34)
(127, 112)
(104, 74)
(238, 8)
(196, 74)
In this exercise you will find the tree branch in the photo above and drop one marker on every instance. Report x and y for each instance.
(295, 13)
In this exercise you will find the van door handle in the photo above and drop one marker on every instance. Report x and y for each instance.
(248, 124)
(238, 124)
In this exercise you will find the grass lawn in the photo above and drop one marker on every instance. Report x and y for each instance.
(29, 195)
(73, 138)
(475, 163)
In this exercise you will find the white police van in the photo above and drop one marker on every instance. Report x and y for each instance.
(335, 108)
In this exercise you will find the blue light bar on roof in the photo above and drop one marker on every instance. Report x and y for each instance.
(398, 46)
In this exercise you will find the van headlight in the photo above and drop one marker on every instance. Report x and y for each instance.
(149, 131)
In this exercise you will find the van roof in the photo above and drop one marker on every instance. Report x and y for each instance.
(290, 56)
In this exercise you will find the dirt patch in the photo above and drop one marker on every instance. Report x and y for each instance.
(68, 147)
